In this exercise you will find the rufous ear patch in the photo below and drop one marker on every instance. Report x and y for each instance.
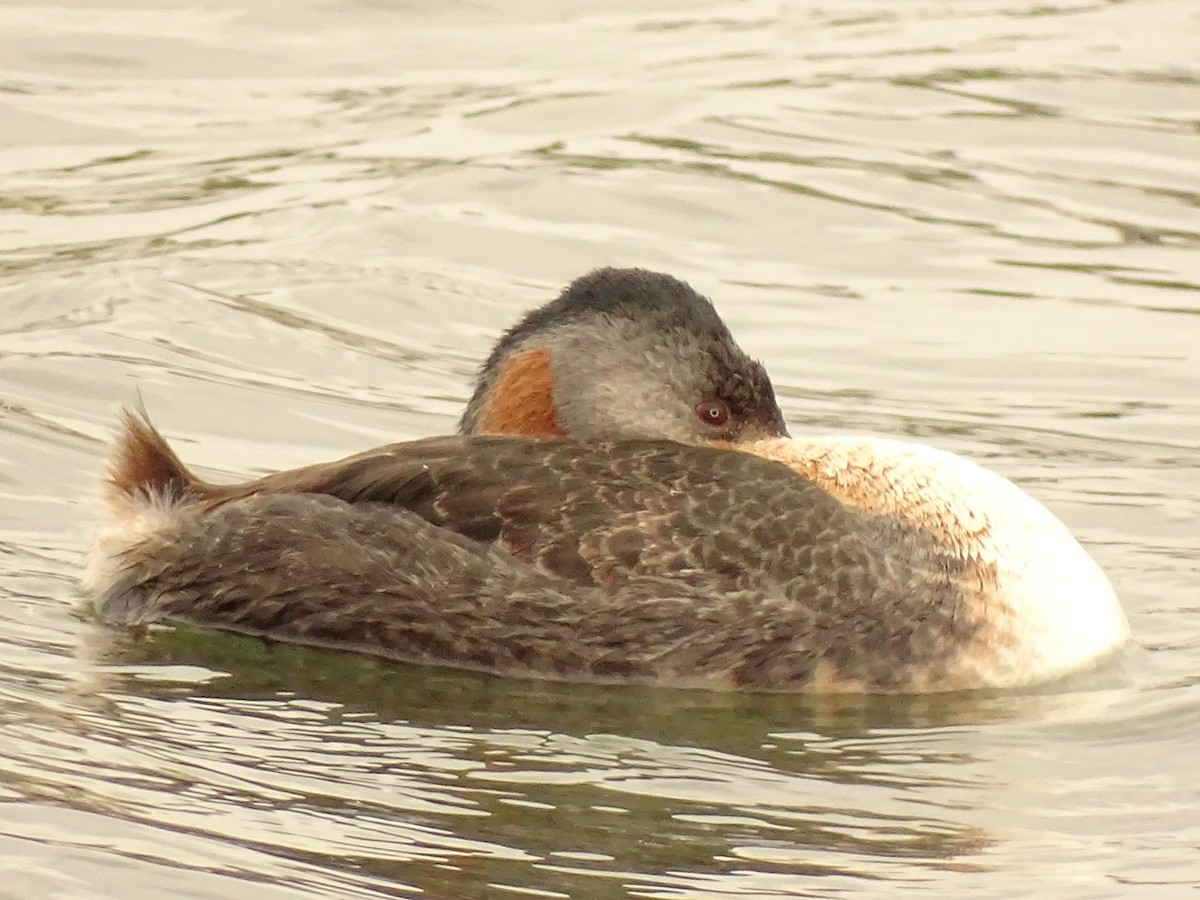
(522, 399)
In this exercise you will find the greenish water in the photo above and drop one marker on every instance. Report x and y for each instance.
(295, 229)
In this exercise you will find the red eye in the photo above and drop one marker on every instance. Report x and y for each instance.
(713, 412)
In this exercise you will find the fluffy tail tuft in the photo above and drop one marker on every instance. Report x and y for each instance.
(145, 488)
(144, 465)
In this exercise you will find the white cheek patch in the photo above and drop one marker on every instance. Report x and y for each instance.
(1051, 610)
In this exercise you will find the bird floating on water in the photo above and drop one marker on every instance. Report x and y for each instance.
(622, 503)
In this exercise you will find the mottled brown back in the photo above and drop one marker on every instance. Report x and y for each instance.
(644, 560)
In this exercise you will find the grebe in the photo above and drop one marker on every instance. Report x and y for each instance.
(623, 503)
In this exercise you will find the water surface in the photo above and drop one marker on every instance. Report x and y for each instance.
(295, 231)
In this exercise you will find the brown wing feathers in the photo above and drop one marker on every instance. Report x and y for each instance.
(627, 559)
(587, 513)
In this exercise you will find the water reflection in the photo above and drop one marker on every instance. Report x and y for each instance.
(338, 760)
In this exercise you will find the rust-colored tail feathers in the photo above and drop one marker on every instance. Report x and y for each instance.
(143, 464)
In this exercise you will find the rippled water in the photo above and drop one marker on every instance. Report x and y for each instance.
(296, 229)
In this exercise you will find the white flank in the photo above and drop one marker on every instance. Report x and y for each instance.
(1061, 614)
